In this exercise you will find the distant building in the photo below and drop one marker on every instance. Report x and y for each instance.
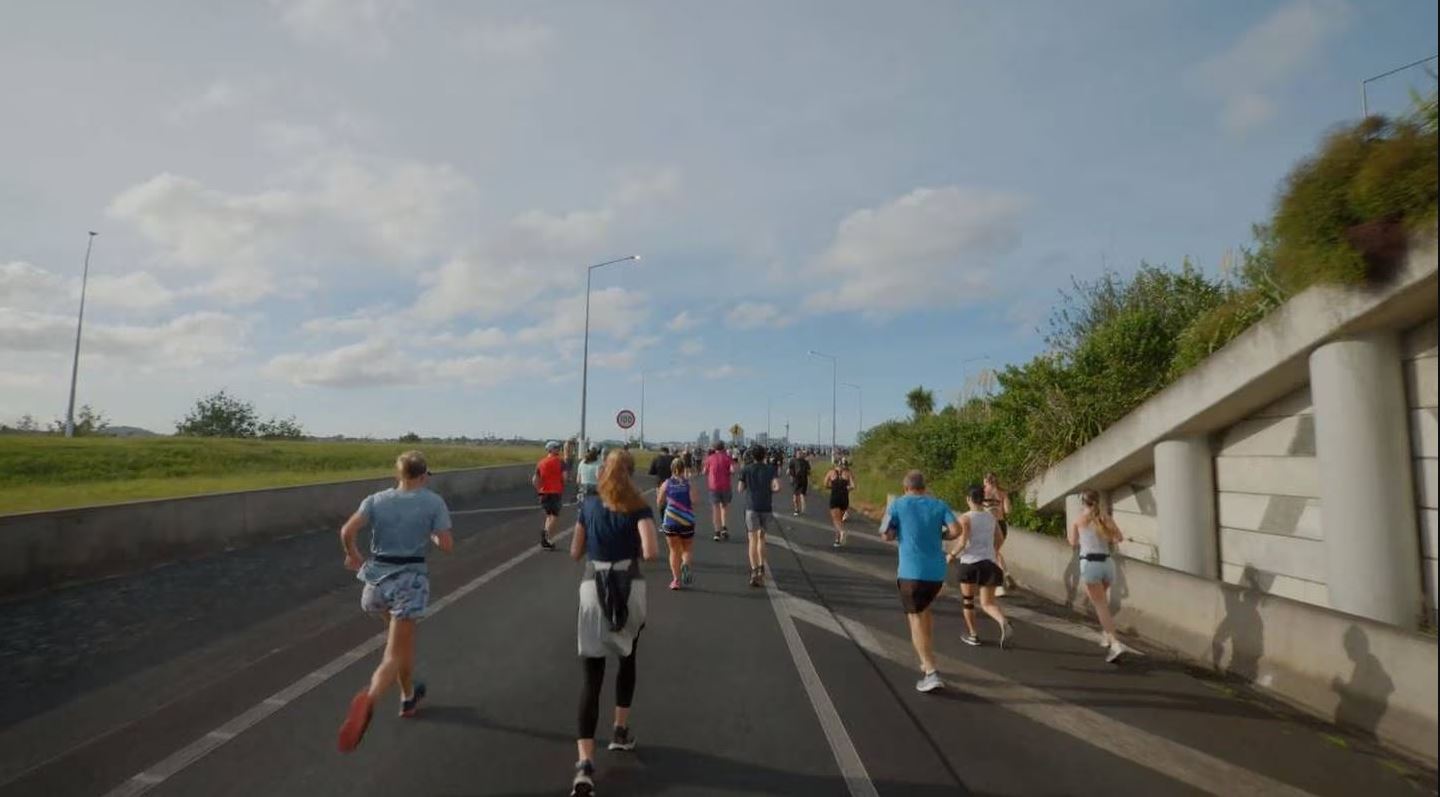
(703, 441)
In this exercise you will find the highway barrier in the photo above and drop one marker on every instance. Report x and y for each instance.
(43, 549)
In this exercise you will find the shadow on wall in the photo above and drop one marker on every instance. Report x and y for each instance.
(1242, 626)
(1365, 698)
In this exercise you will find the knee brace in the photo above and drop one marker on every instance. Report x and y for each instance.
(968, 603)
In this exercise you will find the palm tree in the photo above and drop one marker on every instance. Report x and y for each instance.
(737, 433)
(920, 401)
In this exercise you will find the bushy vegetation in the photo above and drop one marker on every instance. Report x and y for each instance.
(1344, 216)
(223, 415)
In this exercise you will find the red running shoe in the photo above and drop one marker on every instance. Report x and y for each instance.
(357, 719)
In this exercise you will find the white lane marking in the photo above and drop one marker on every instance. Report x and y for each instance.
(857, 780)
(164, 769)
(1145, 749)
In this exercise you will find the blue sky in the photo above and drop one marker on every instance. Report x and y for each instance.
(375, 214)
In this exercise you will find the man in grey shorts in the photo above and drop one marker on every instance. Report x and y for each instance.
(404, 522)
(759, 480)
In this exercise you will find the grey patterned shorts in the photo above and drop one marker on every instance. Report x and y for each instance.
(403, 595)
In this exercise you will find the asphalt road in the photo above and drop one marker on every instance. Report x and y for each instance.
(229, 675)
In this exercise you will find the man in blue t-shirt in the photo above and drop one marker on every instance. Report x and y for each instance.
(759, 483)
(920, 523)
(404, 522)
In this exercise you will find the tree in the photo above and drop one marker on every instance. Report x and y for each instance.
(409, 437)
(27, 423)
(737, 434)
(281, 429)
(88, 421)
(920, 401)
(220, 415)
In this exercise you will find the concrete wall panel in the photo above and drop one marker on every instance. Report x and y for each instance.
(1276, 553)
(1272, 514)
(1423, 432)
(1297, 476)
(1296, 589)
(1420, 341)
(1296, 403)
(1270, 437)
(1420, 382)
(1426, 474)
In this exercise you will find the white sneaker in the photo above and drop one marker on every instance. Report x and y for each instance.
(929, 683)
(1105, 639)
(1007, 635)
(1000, 591)
(1118, 649)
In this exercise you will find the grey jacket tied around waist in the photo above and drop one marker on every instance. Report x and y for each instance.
(613, 581)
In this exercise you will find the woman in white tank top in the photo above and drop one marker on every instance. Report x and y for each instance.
(978, 551)
(1092, 535)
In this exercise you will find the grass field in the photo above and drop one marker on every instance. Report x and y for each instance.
(43, 472)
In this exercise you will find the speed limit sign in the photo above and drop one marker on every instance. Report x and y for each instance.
(625, 419)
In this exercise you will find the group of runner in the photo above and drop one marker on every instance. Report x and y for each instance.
(616, 528)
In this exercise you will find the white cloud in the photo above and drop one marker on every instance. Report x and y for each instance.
(26, 286)
(381, 363)
(691, 347)
(136, 291)
(932, 247)
(335, 208)
(648, 187)
(356, 24)
(1264, 58)
(754, 315)
(682, 322)
(725, 371)
(615, 312)
(185, 341)
(219, 95)
(511, 40)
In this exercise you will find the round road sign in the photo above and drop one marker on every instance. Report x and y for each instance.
(625, 419)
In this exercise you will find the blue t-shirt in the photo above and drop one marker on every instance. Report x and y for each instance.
(919, 521)
(758, 478)
(611, 536)
(401, 522)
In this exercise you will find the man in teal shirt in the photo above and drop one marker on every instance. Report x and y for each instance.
(920, 523)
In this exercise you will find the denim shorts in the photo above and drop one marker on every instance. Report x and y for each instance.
(1097, 572)
(403, 595)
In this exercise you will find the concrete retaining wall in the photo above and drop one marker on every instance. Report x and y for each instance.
(1420, 389)
(1368, 676)
(41, 549)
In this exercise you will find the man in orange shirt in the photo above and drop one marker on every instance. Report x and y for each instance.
(549, 481)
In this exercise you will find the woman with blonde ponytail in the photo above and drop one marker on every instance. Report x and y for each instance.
(1094, 534)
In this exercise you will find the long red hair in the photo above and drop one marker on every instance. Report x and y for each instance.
(617, 491)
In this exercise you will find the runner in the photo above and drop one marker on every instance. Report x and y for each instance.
(678, 523)
(549, 481)
(616, 528)
(588, 473)
(404, 522)
(759, 483)
(660, 465)
(978, 552)
(997, 503)
(799, 470)
(718, 468)
(920, 523)
(839, 480)
(1093, 533)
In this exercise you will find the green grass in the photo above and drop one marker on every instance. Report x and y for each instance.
(42, 472)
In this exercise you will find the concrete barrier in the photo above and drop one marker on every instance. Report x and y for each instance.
(42, 549)
(1367, 676)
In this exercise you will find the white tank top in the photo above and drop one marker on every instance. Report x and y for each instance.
(980, 546)
(1091, 542)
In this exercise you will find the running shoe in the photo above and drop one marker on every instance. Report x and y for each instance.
(674, 583)
(1000, 591)
(835, 543)
(1105, 639)
(1117, 649)
(970, 639)
(716, 537)
(755, 580)
(546, 543)
(725, 533)
(409, 708)
(929, 683)
(357, 719)
(1007, 635)
(796, 513)
(686, 576)
(622, 739)
(584, 783)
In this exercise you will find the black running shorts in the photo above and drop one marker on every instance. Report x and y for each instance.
(550, 502)
(802, 487)
(916, 596)
(984, 573)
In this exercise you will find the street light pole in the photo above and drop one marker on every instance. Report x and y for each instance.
(642, 409)
(79, 325)
(1364, 97)
(860, 406)
(834, 394)
(585, 357)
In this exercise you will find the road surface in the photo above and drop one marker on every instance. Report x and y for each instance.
(229, 675)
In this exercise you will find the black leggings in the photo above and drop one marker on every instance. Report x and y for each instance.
(590, 692)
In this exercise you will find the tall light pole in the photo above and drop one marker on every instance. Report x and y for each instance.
(1365, 98)
(642, 409)
(585, 358)
(834, 393)
(79, 325)
(860, 406)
